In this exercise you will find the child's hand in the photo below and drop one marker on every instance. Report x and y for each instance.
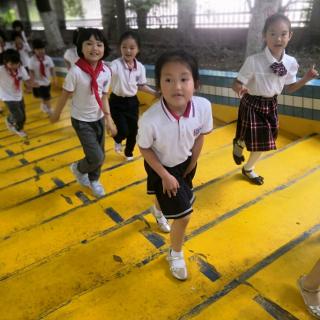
(170, 185)
(243, 90)
(54, 116)
(312, 73)
(110, 126)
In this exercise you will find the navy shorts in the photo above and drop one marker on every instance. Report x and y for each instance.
(177, 206)
(42, 92)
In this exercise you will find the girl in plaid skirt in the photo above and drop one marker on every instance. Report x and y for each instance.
(260, 80)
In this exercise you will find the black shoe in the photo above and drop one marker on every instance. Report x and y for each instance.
(238, 160)
(257, 180)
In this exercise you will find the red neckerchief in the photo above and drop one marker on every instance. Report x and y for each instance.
(42, 68)
(14, 75)
(94, 74)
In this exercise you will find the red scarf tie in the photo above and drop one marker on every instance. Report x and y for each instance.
(94, 74)
(42, 68)
(14, 75)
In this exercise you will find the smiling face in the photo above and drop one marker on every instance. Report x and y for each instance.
(129, 49)
(93, 50)
(177, 85)
(277, 37)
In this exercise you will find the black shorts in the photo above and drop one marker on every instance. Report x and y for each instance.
(177, 206)
(42, 92)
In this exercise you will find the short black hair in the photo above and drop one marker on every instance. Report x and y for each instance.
(38, 44)
(16, 34)
(85, 34)
(17, 24)
(274, 18)
(130, 34)
(182, 57)
(11, 55)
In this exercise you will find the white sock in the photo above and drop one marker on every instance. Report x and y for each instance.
(157, 213)
(176, 253)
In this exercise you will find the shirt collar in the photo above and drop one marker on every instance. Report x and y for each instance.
(271, 58)
(172, 115)
(126, 65)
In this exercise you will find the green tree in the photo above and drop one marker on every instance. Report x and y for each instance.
(73, 8)
(142, 7)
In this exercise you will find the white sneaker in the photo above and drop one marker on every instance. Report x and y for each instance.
(21, 133)
(45, 109)
(82, 178)
(129, 158)
(10, 126)
(162, 222)
(117, 147)
(97, 189)
(177, 266)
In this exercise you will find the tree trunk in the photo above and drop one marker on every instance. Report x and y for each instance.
(108, 20)
(24, 14)
(186, 15)
(314, 27)
(261, 10)
(51, 29)
(121, 17)
(59, 9)
(142, 18)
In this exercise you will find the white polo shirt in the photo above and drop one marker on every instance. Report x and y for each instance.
(84, 105)
(260, 80)
(172, 139)
(8, 90)
(124, 81)
(34, 65)
(23, 52)
(71, 55)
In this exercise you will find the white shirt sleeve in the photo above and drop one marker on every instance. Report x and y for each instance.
(208, 121)
(142, 78)
(145, 134)
(246, 71)
(70, 81)
(24, 74)
(291, 76)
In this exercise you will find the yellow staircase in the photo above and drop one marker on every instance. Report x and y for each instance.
(66, 255)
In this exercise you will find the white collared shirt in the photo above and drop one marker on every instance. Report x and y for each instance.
(84, 105)
(260, 80)
(124, 81)
(8, 90)
(34, 65)
(172, 139)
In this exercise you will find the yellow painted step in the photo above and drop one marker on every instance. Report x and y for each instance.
(233, 247)
(194, 268)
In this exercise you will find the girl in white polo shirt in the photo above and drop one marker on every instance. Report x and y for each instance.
(12, 73)
(128, 76)
(262, 77)
(88, 82)
(170, 138)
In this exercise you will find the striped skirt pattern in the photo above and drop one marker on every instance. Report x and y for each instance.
(258, 123)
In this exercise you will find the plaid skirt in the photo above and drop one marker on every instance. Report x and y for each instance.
(258, 123)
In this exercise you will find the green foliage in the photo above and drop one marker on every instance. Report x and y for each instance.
(73, 8)
(7, 17)
(142, 5)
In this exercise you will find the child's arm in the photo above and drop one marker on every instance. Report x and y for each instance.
(32, 79)
(170, 184)
(311, 74)
(54, 117)
(196, 150)
(110, 125)
(147, 89)
(239, 88)
(54, 78)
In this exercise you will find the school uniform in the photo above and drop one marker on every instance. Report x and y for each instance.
(11, 94)
(87, 117)
(42, 76)
(23, 52)
(171, 138)
(265, 78)
(124, 104)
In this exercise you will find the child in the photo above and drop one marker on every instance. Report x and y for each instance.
(88, 83)
(17, 26)
(71, 56)
(170, 138)
(41, 69)
(128, 76)
(11, 74)
(19, 45)
(262, 77)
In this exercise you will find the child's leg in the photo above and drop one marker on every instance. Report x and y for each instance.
(178, 229)
(248, 168)
(160, 218)
(131, 137)
(237, 152)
